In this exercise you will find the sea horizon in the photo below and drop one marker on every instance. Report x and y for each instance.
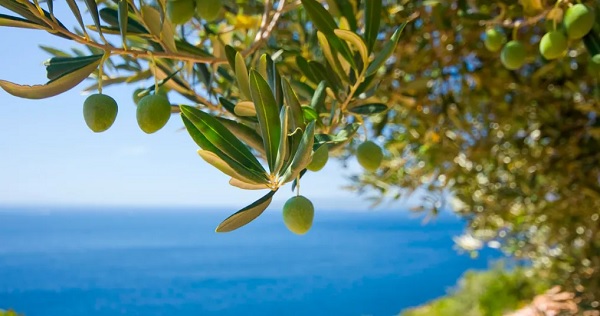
(127, 261)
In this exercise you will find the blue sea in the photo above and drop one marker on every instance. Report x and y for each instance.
(101, 262)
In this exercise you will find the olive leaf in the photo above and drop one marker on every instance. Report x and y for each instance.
(54, 87)
(221, 138)
(206, 144)
(302, 155)
(369, 108)
(241, 73)
(123, 20)
(268, 116)
(12, 21)
(326, 24)
(372, 21)
(386, 52)
(93, 9)
(58, 66)
(356, 41)
(246, 215)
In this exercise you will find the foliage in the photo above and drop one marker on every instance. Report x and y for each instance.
(490, 293)
(267, 83)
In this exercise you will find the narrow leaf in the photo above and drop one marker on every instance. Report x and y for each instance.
(93, 8)
(246, 186)
(326, 24)
(302, 155)
(331, 58)
(111, 16)
(230, 53)
(58, 66)
(222, 138)
(241, 73)
(309, 114)
(123, 19)
(268, 116)
(53, 87)
(372, 21)
(356, 41)
(205, 144)
(297, 118)
(75, 10)
(246, 215)
(7, 20)
(282, 153)
(369, 108)
(385, 52)
(245, 134)
(225, 167)
(318, 100)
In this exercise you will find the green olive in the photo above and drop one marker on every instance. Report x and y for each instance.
(99, 112)
(553, 45)
(208, 9)
(180, 11)
(578, 20)
(369, 155)
(494, 40)
(298, 214)
(513, 55)
(153, 113)
(319, 158)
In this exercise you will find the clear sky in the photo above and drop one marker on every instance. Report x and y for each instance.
(48, 156)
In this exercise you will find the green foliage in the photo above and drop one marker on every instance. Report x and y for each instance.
(489, 293)
(512, 137)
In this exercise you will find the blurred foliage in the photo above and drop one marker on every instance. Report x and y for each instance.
(489, 293)
(516, 152)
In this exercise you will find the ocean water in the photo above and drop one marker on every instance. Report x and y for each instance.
(170, 262)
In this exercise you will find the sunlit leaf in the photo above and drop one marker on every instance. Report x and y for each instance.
(54, 87)
(268, 116)
(246, 215)
(222, 138)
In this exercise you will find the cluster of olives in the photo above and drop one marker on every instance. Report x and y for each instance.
(368, 154)
(578, 20)
(181, 11)
(298, 212)
(153, 112)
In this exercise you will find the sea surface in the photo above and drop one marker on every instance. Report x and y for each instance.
(101, 262)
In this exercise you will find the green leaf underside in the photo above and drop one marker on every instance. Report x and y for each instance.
(268, 116)
(58, 66)
(318, 100)
(385, 52)
(222, 138)
(241, 73)
(246, 215)
(53, 87)
(368, 109)
(282, 153)
(205, 144)
(326, 24)
(225, 167)
(302, 155)
(372, 21)
(12, 21)
(297, 118)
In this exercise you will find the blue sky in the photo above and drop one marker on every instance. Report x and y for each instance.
(48, 156)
